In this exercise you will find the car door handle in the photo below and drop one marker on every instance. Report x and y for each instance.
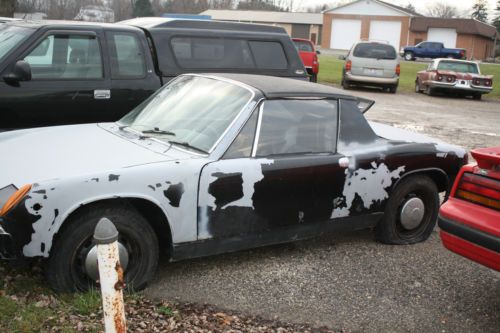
(102, 94)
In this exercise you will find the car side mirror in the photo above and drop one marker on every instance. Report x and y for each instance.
(317, 52)
(20, 72)
(342, 57)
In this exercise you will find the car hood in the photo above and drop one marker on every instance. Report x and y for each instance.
(39, 154)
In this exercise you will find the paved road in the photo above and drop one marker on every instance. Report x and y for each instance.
(349, 281)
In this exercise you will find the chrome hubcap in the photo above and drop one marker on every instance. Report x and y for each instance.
(412, 213)
(91, 267)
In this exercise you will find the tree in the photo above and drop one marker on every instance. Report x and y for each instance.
(442, 10)
(7, 8)
(411, 8)
(142, 8)
(480, 11)
(496, 21)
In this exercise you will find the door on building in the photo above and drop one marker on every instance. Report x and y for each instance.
(300, 31)
(344, 33)
(444, 35)
(389, 31)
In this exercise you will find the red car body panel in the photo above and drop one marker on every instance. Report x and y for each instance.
(470, 229)
(310, 59)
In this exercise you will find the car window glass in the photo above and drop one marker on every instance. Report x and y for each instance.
(127, 58)
(303, 46)
(297, 126)
(242, 145)
(374, 51)
(66, 57)
(198, 52)
(268, 55)
(11, 37)
(463, 67)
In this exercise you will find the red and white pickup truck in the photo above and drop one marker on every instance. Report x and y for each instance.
(309, 56)
(454, 76)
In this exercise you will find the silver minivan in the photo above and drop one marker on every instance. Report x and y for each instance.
(371, 63)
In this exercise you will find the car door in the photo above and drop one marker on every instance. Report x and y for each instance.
(68, 83)
(272, 176)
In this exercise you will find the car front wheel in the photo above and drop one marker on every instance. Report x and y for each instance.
(72, 265)
(411, 212)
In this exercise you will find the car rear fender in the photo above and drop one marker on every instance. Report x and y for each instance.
(438, 176)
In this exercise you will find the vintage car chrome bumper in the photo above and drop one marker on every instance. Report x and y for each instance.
(372, 79)
(461, 85)
(6, 244)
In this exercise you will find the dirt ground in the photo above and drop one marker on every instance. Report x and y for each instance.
(350, 282)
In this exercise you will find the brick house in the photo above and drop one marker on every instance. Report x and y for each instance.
(379, 20)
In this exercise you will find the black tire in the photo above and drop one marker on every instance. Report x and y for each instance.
(417, 87)
(65, 270)
(345, 84)
(390, 230)
(430, 91)
(408, 56)
(393, 89)
(477, 97)
(314, 78)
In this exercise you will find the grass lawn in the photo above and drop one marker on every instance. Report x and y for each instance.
(331, 72)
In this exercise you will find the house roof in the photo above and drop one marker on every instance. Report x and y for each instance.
(383, 3)
(264, 16)
(461, 25)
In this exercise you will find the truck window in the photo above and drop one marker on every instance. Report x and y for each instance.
(66, 57)
(126, 55)
(268, 55)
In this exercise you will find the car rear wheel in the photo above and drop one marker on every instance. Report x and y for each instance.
(411, 212)
(393, 89)
(72, 263)
(409, 56)
(477, 97)
(345, 84)
(417, 86)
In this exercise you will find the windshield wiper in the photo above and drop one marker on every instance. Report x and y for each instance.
(187, 145)
(156, 130)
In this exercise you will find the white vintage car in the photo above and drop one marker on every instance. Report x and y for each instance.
(211, 164)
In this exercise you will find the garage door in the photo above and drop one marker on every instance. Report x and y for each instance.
(386, 30)
(446, 36)
(344, 33)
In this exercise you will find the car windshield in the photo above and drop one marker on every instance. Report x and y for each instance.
(303, 46)
(375, 51)
(462, 67)
(191, 111)
(11, 36)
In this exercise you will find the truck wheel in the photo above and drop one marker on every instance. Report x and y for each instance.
(70, 262)
(450, 56)
(314, 77)
(409, 56)
(410, 213)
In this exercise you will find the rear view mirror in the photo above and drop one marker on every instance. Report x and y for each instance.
(317, 52)
(342, 57)
(20, 72)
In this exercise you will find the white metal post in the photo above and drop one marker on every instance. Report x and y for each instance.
(110, 276)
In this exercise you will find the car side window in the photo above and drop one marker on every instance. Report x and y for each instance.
(66, 57)
(242, 145)
(126, 56)
(297, 127)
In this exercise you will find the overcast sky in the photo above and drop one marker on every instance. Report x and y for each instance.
(420, 5)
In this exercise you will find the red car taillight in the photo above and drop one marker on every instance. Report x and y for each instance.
(476, 82)
(440, 78)
(478, 189)
(487, 82)
(398, 69)
(348, 65)
(450, 78)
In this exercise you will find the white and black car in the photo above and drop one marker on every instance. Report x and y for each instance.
(212, 164)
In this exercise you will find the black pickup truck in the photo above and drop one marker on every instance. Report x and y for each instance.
(59, 72)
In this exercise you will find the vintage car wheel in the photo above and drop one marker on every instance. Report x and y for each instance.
(72, 259)
(417, 86)
(411, 212)
(429, 91)
(408, 56)
(477, 97)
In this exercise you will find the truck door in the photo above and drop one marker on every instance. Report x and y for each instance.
(68, 83)
(133, 78)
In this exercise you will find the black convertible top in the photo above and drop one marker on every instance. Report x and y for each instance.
(278, 87)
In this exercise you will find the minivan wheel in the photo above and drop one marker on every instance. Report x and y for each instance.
(345, 84)
(393, 89)
(408, 56)
(67, 268)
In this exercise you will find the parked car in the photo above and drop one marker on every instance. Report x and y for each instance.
(59, 72)
(373, 64)
(453, 77)
(212, 164)
(470, 219)
(432, 50)
(309, 56)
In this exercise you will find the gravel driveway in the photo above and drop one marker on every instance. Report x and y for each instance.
(349, 282)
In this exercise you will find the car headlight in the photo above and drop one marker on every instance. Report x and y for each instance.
(12, 196)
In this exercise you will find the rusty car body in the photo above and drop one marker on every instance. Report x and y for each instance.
(454, 76)
(212, 164)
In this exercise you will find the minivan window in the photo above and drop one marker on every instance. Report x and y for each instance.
(66, 57)
(375, 51)
(11, 37)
